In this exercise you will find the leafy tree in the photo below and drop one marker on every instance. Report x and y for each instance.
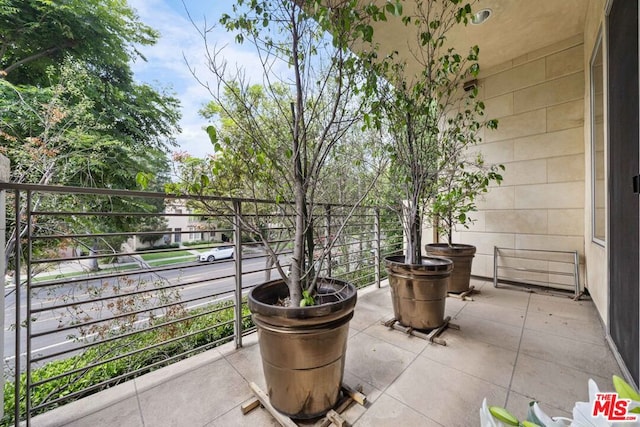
(313, 105)
(35, 34)
(432, 123)
(71, 112)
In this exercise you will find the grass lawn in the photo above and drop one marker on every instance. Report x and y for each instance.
(158, 263)
(55, 276)
(165, 255)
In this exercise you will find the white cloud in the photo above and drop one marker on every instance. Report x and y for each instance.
(180, 40)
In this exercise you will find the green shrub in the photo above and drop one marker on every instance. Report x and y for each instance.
(198, 242)
(155, 248)
(200, 320)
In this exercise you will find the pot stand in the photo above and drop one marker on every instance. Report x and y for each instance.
(350, 396)
(432, 336)
(466, 295)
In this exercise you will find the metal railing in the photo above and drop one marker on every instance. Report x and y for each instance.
(102, 293)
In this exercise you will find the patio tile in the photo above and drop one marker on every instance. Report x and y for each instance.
(445, 395)
(472, 357)
(505, 313)
(355, 411)
(557, 385)
(397, 338)
(496, 333)
(504, 297)
(367, 314)
(587, 330)
(176, 370)
(518, 405)
(248, 362)
(389, 412)
(454, 305)
(587, 357)
(564, 306)
(234, 418)
(123, 414)
(376, 361)
(377, 296)
(105, 406)
(196, 397)
(479, 284)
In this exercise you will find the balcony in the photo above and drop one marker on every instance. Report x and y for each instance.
(513, 346)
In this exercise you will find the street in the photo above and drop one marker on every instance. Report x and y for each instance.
(82, 300)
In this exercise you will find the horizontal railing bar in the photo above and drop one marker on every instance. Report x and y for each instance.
(123, 233)
(533, 270)
(127, 335)
(137, 292)
(534, 282)
(151, 270)
(38, 188)
(536, 250)
(128, 314)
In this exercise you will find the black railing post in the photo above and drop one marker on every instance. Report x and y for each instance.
(28, 314)
(237, 237)
(18, 304)
(376, 242)
(4, 177)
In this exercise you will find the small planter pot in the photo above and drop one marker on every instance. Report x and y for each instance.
(303, 348)
(419, 291)
(462, 257)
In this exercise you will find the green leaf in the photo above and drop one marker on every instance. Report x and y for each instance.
(398, 9)
(213, 134)
(625, 391)
(307, 299)
(503, 415)
(143, 179)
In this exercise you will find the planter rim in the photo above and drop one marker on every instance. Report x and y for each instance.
(346, 301)
(455, 249)
(429, 264)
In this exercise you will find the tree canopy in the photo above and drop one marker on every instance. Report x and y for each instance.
(71, 112)
(292, 124)
(104, 34)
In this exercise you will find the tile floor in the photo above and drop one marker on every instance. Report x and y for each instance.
(513, 346)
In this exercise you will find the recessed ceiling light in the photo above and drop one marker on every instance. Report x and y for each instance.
(481, 16)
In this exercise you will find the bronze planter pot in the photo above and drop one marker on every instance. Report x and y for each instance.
(462, 257)
(303, 348)
(419, 291)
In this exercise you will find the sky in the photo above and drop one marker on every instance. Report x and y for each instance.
(166, 65)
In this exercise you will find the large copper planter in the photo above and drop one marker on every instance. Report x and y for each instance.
(462, 257)
(419, 291)
(303, 349)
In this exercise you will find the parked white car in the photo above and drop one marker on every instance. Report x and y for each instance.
(221, 252)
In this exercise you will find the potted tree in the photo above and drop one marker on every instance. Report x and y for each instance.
(459, 185)
(274, 140)
(431, 119)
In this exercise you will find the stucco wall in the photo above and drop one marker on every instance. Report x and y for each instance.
(538, 99)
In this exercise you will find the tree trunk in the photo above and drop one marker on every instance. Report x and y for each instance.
(93, 262)
(412, 222)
